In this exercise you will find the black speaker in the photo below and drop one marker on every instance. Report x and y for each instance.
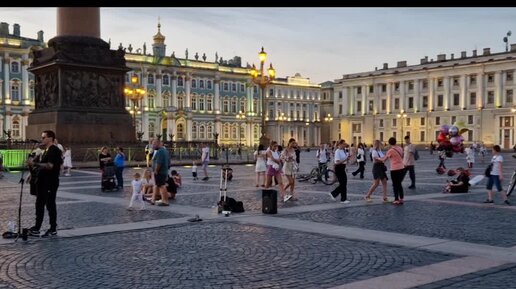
(269, 201)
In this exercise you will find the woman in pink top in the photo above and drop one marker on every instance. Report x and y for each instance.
(395, 156)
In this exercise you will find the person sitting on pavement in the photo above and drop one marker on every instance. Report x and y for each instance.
(459, 185)
(147, 184)
(176, 177)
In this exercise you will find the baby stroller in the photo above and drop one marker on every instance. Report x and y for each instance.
(108, 178)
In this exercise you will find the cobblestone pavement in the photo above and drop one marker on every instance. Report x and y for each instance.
(214, 255)
(217, 253)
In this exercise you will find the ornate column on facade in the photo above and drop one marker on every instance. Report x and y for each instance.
(446, 96)
(188, 86)
(431, 93)
(417, 95)
(79, 83)
(7, 80)
(499, 99)
(463, 91)
(189, 124)
(402, 95)
(171, 124)
(480, 90)
(174, 90)
(216, 101)
(363, 105)
(389, 97)
(159, 97)
(25, 79)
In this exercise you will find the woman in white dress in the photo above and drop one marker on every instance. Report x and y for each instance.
(67, 161)
(289, 168)
(260, 167)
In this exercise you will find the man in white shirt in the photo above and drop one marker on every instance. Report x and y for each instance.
(340, 159)
(321, 155)
(205, 160)
(409, 162)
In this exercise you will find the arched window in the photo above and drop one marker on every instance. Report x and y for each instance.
(234, 132)
(15, 67)
(150, 100)
(152, 127)
(194, 102)
(166, 80)
(208, 84)
(233, 105)
(16, 128)
(150, 78)
(15, 91)
(201, 83)
(225, 107)
(180, 81)
(201, 102)
(226, 131)
(194, 130)
(209, 103)
(226, 86)
(209, 130)
(180, 102)
(242, 106)
(166, 99)
(194, 83)
(180, 131)
(202, 132)
(233, 87)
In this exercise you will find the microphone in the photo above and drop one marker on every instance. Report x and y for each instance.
(34, 141)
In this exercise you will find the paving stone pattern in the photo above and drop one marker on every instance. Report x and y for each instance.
(483, 225)
(215, 255)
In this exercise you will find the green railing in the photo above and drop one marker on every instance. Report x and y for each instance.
(14, 158)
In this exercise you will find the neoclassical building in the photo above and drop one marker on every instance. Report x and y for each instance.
(189, 98)
(16, 83)
(192, 98)
(477, 89)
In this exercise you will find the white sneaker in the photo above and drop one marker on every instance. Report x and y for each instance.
(286, 198)
(345, 202)
(332, 197)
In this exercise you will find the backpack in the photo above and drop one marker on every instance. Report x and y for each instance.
(416, 155)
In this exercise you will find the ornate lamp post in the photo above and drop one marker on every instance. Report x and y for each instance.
(135, 92)
(282, 118)
(241, 118)
(262, 80)
(328, 119)
(402, 116)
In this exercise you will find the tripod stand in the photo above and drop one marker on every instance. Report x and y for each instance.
(22, 233)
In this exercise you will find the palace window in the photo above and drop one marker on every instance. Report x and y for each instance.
(470, 119)
(421, 136)
(422, 121)
(15, 67)
(371, 88)
(359, 90)
(437, 120)
(396, 103)
(473, 98)
(226, 86)
(490, 97)
(472, 79)
(425, 101)
(456, 99)
(150, 78)
(509, 76)
(380, 122)
(384, 104)
(233, 87)
(194, 130)
(208, 84)
(440, 100)
(200, 100)
(233, 105)
(242, 87)
(410, 102)
(166, 80)
(225, 106)
(15, 92)
(384, 87)
(180, 81)
(194, 102)
(209, 103)
(201, 83)
(509, 96)
(359, 106)
(16, 129)
(194, 83)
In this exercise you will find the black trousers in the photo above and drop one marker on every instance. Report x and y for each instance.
(397, 177)
(46, 197)
(342, 189)
(412, 175)
(361, 169)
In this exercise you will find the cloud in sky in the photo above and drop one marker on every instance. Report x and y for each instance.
(319, 43)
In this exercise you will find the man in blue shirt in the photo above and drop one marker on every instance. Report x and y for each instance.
(119, 167)
(160, 164)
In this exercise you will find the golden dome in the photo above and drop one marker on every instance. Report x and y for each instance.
(159, 38)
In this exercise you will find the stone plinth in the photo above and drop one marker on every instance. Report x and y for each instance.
(79, 92)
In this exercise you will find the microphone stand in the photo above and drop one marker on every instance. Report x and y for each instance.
(21, 182)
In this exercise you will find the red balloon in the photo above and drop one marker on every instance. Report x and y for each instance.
(441, 138)
(456, 148)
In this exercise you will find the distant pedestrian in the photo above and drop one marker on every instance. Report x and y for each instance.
(409, 161)
(67, 161)
(149, 152)
(260, 166)
(119, 167)
(470, 156)
(395, 157)
(496, 176)
(205, 160)
(379, 172)
(360, 160)
(340, 159)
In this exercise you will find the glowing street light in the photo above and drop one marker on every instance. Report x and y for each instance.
(135, 92)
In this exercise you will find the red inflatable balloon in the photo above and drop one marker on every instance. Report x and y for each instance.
(441, 138)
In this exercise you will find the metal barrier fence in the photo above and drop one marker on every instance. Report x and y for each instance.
(14, 158)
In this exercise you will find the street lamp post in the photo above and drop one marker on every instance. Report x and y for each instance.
(402, 116)
(135, 92)
(216, 137)
(328, 119)
(262, 80)
(241, 118)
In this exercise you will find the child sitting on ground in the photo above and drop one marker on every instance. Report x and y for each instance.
(177, 177)
(459, 185)
(147, 184)
(137, 195)
(171, 186)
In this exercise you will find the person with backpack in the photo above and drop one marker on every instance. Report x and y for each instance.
(409, 161)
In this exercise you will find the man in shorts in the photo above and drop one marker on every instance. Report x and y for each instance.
(160, 164)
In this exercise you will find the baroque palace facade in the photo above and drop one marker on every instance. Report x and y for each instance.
(416, 100)
(188, 99)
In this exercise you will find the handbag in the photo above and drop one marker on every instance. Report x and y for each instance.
(487, 172)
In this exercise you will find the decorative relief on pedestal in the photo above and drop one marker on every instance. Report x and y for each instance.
(46, 90)
(93, 90)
